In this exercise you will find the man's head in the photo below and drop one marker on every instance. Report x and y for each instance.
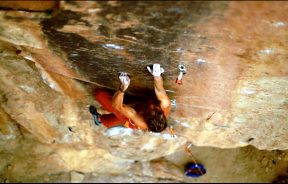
(155, 118)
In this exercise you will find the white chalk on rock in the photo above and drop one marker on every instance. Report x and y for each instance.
(118, 130)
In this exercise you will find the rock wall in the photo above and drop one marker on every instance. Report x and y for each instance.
(234, 93)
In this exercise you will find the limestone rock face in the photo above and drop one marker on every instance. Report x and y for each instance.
(29, 5)
(37, 106)
(234, 94)
(240, 86)
(137, 145)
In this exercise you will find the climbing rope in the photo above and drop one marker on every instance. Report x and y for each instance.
(187, 149)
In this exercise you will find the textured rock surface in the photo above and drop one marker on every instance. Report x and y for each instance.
(234, 93)
(232, 70)
(29, 5)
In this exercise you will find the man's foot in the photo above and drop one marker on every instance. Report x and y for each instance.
(93, 110)
(95, 114)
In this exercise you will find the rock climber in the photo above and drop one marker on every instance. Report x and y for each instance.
(151, 116)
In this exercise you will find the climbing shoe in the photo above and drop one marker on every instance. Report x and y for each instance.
(95, 114)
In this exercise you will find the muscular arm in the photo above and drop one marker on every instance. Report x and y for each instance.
(160, 92)
(129, 112)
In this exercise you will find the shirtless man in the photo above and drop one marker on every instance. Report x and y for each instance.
(151, 115)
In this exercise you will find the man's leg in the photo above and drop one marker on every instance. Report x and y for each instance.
(109, 120)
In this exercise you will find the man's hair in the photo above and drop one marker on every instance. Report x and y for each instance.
(156, 120)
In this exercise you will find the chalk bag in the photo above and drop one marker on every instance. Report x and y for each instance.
(194, 170)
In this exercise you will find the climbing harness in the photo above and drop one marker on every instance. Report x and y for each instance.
(129, 122)
(182, 71)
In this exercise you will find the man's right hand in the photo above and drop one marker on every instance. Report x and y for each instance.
(156, 70)
(125, 80)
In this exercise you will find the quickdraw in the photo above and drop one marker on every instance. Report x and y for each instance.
(171, 131)
(182, 71)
